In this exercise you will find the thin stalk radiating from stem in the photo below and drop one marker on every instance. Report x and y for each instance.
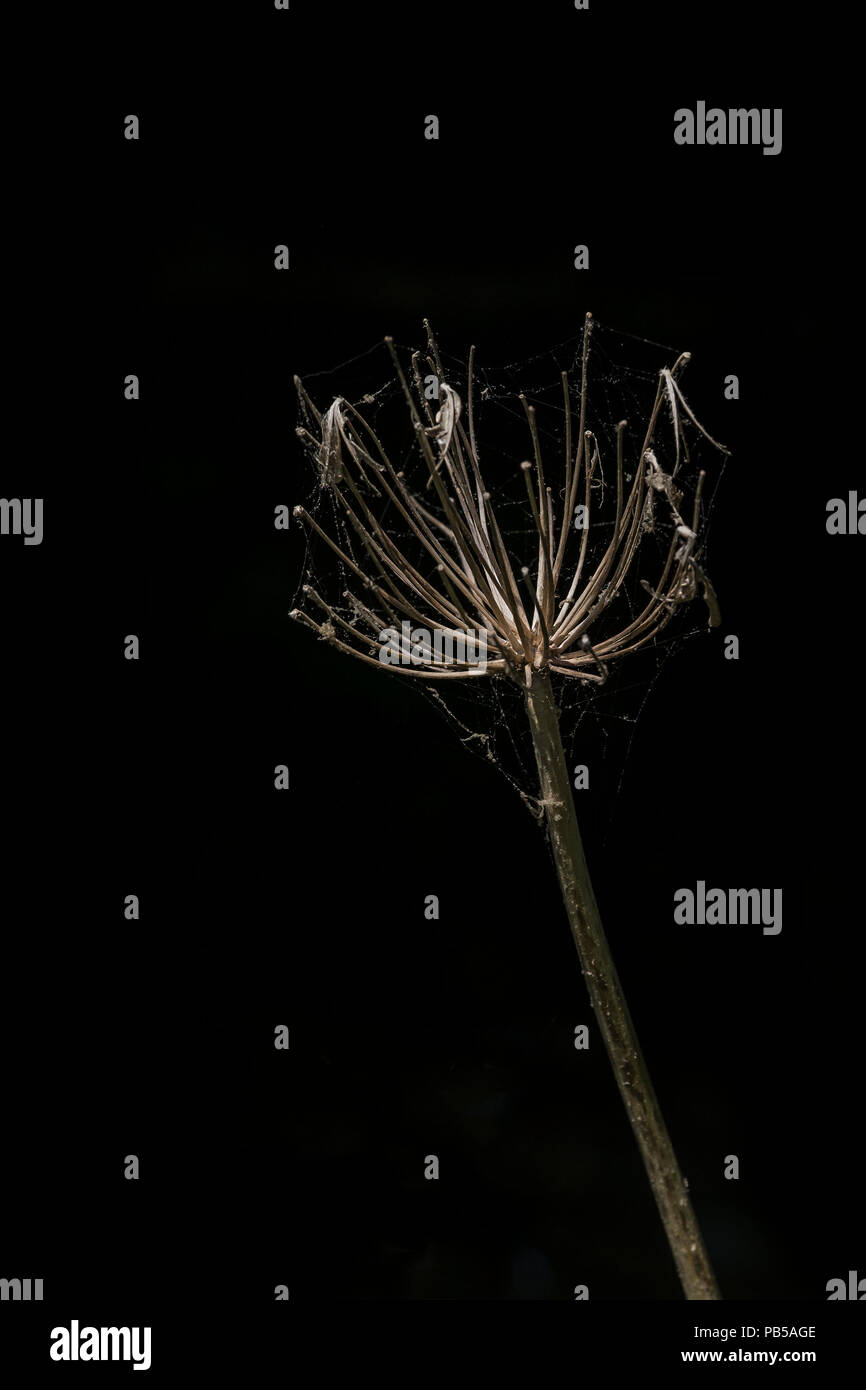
(608, 1001)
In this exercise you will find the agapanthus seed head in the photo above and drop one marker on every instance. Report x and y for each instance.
(435, 560)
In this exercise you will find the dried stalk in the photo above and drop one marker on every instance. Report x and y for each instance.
(608, 1000)
(463, 578)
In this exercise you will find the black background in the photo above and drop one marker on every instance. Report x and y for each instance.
(306, 907)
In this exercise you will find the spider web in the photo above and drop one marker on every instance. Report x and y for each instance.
(596, 720)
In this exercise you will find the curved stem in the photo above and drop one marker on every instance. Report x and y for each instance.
(608, 1000)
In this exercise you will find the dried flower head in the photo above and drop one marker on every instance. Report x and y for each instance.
(461, 578)
(559, 617)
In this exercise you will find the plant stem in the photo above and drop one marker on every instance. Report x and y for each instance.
(608, 1000)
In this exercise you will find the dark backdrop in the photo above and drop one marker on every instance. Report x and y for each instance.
(306, 908)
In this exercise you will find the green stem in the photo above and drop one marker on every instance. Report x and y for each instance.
(608, 1000)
